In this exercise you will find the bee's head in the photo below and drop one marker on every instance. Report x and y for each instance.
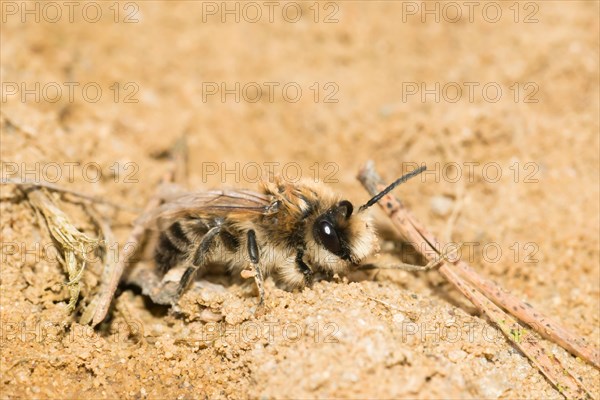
(342, 237)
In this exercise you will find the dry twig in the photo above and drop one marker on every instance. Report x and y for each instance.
(113, 271)
(111, 276)
(480, 291)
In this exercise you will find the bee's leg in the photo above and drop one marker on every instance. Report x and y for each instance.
(199, 258)
(305, 269)
(405, 267)
(253, 253)
(412, 268)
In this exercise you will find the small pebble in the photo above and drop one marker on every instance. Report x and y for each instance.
(398, 318)
(456, 355)
(441, 205)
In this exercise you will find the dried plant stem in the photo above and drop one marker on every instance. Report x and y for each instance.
(57, 188)
(542, 324)
(111, 276)
(414, 232)
(113, 270)
(110, 259)
(73, 244)
(527, 342)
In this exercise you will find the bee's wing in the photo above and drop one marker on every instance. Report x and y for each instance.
(210, 204)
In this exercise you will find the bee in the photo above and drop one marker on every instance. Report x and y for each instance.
(289, 231)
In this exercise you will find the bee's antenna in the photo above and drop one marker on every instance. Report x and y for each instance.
(388, 189)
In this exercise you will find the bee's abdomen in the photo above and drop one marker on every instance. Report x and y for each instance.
(173, 246)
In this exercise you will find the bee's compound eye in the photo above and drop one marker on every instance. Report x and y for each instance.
(329, 237)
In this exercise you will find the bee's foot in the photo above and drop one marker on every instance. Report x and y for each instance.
(260, 309)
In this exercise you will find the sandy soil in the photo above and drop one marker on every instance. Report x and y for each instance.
(516, 170)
